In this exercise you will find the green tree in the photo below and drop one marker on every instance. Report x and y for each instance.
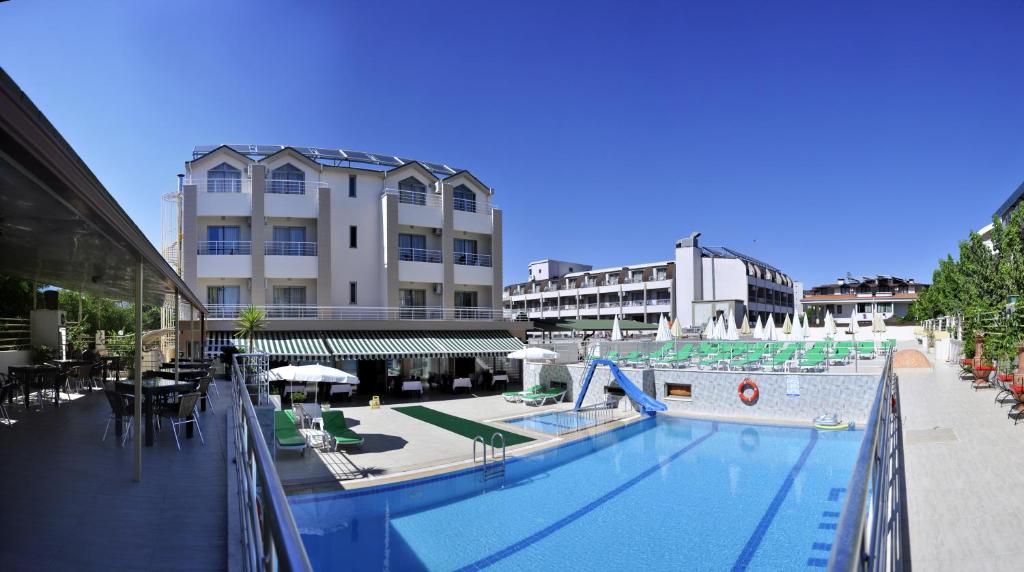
(250, 321)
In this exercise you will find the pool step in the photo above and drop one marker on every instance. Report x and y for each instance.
(494, 471)
(495, 468)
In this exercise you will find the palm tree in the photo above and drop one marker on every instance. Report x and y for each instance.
(250, 321)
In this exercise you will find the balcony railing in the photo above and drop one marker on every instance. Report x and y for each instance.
(588, 305)
(632, 302)
(283, 187)
(419, 255)
(610, 304)
(470, 259)
(243, 185)
(221, 247)
(568, 306)
(287, 248)
(465, 205)
(422, 198)
(314, 312)
(658, 302)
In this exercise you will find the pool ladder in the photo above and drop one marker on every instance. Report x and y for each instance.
(495, 468)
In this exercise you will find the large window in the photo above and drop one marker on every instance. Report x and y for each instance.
(413, 304)
(463, 199)
(289, 295)
(288, 180)
(290, 241)
(465, 305)
(465, 251)
(289, 234)
(413, 247)
(412, 191)
(224, 179)
(352, 186)
(224, 240)
(223, 295)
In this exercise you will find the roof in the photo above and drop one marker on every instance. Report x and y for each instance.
(364, 344)
(59, 225)
(1008, 204)
(326, 156)
(280, 345)
(854, 297)
(591, 325)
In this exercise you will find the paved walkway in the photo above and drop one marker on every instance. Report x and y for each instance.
(69, 502)
(965, 462)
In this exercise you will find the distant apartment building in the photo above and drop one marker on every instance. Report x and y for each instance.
(388, 257)
(699, 282)
(860, 298)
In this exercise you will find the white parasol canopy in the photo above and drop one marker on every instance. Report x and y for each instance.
(787, 326)
(533, 353)
(731, 333)
(769, 332)
(314, 373)
(664, 334)
(616, 330)
(720, 328)
(709, 330)
(853, 328)
(677, 328)
(759, 329)
(806, 328)
(798, 332)
(830, 325)
(745, 328)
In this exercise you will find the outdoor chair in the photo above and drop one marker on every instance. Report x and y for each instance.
(7, 388)
(1017, 390)
(1003, 383)
(516, 396)
(554, 394)
(120, 405)
(310, 413)
(286, 434)
(182, 414)
(211, 372)
(336, 427)
(204, 393)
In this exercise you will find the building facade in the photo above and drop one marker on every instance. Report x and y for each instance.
(860, 298)
(327, 240)
(698, 283)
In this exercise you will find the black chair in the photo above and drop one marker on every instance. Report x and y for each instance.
(182, 414)
(120, 406)
(204, 392)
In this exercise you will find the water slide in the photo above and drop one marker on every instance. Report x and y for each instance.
(644, 403)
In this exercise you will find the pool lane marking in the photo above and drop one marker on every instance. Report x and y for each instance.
(750, 548)
(584, 510)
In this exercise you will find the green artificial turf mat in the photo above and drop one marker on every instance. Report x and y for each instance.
(464, 427)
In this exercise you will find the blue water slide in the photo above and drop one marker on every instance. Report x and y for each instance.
(645, 403)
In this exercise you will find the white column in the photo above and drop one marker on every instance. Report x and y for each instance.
(138, 373)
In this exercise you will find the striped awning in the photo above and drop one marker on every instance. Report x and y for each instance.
(295, 346)
(431, 343)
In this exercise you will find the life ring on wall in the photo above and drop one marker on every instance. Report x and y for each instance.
(748, 384)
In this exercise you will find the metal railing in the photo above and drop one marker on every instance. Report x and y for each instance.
(464, 205)
(587, 417)
(873, 532)
(270, 537)
(242, 185)
(285, 187)
(287, 248)
(658, 301)
(15, 334)
(471, 259)
(314, 312)
(419, 255)
(421, 198)
(220, 247)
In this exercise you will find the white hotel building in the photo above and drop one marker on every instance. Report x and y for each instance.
(354, 256)
(698, 282)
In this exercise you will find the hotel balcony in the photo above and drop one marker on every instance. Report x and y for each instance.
(419, 209)
(472, 216)
(224, 259)
(290, 259)
(223, 197)
(473, 269)
(295, 199)
(314, 312)
(420, 265)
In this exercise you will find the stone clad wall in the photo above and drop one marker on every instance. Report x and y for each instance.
(715, 392)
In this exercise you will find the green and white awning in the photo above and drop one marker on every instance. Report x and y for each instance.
(294, 346)
(430, 343)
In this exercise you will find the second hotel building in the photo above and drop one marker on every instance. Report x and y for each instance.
(379, 264)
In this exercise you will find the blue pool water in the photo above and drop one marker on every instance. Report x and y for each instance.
(664, 494)
(554, 422)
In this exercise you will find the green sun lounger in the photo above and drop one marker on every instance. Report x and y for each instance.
(286, 433)
(660, 352)
(554, 394)
(335, 426)
(518, 395)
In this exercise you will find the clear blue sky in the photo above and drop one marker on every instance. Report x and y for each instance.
(822, 137)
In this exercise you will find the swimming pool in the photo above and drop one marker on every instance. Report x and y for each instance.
(662, 493)
(555, 422)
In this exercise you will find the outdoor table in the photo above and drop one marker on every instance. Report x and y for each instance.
(412, 386)
(186, 374)
(185, 364)
(150, 389)
(26, 374)
(501, 378)
(461, 382)
(111, 362)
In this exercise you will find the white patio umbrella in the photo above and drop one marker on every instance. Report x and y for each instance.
(798, 331)
(830, 325)
(314, 372)
(853, 328)
(877, 324)
(731, 332)
(745, 328)
(720, 328)
(533, 353)
(664, 334)
(709, 330)
(806, 328)
(677, 328)
(616, 330)
(769, 332)
(759, 329)
(787, 326)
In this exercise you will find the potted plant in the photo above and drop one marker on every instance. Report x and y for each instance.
(250, 321)
(42, 354)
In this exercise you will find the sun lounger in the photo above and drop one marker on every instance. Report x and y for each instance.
(514, 396)
(554, 394)
(335, 426)
(286, 433)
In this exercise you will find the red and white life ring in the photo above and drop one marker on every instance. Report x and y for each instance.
(748, 385)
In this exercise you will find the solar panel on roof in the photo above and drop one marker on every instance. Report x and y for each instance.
(387, 160)
(203, 148)
(267, 149)
(329, 153)
(359, 156)
(437, 168)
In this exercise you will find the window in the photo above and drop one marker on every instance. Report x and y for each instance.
(224, 179)
(413, 304)
(224, 240)
(289, 234)
(353, 292)
(660, 273)
(289, 295)
(839, 309)
(679, 390)
(287, 179)
(289, 241)
(352, 186)
(413, 247)
(884, 307)
(463, 199)
(570, 269)
(352, 237)
(863, 308)
(465, 251)
(228, 295)
(411, 191)
(465, 299)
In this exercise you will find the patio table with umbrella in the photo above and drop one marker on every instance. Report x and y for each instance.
(313, 373)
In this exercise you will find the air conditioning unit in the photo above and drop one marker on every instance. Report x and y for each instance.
(436, 231)
(437, 289)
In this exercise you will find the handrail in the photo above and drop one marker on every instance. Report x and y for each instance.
(289, 248)
(314, 312)
(224, 247)
(419, 255)
(270, 535)
(873, 532)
